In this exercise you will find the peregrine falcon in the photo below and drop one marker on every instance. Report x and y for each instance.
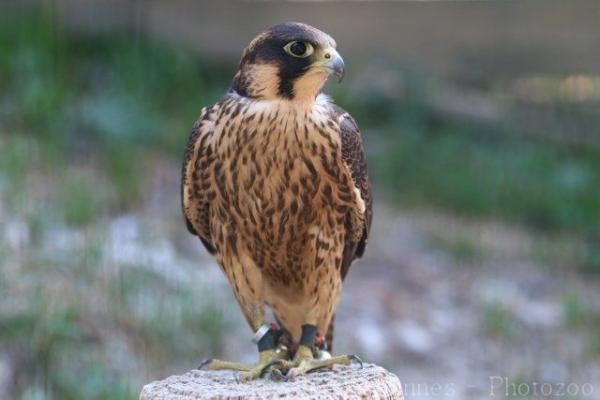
(275, 185)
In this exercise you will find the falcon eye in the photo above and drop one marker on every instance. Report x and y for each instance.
(299, 49)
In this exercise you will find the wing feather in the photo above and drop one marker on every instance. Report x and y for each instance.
(195, 180)
(353, 156)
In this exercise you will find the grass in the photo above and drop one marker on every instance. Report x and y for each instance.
(106, 100)
(575, 311)
(580, 315)
(497, 322)
(461, 166)
(75, 330)
(591, 254)
(594, 339)
(80, 121)
(80, 198)
(462, 248)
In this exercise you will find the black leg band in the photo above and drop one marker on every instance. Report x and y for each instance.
(308, 335)
(268, 341)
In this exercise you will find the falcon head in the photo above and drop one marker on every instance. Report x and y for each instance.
(289, 61)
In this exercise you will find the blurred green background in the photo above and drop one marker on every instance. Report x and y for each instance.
(481, 122)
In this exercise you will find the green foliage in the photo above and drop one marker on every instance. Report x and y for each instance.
(463, 247)
(80, 198)
(124, 167)
(107, 98)
(161, 313)
(94, 382)
(67, 332)
(421, 155)
(594, 338)
(80, 122)
(574, 310)
(15, 153)
(583, 316)
(476, 169)
(591, 254)
(497, 322)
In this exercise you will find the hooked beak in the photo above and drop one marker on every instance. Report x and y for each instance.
(333, 63)
(337, 65)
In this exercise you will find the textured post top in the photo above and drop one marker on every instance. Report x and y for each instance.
(342, 382)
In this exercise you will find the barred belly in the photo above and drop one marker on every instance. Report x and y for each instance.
(280, 210)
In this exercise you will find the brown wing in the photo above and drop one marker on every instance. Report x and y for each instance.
(196, 192)
(353, 156)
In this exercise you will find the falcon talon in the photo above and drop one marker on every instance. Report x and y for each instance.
(270, 365)
(277, 375)
(204, 363)
(289, 377)
(354, 357)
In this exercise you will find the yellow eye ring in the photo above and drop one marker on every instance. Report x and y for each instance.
(299, 49)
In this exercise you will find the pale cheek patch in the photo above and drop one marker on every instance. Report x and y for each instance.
(263, 80)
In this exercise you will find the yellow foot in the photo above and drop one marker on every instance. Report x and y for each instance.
(304, 362)
(267, 359)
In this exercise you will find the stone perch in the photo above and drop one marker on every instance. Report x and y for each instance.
(343, 382)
